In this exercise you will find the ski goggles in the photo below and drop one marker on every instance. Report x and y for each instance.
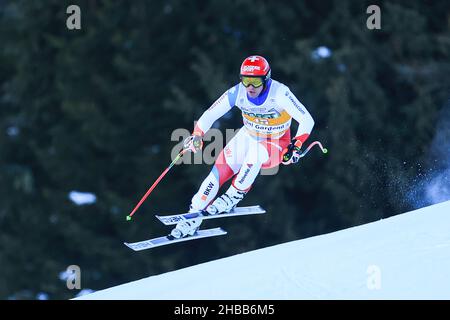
(256, 82)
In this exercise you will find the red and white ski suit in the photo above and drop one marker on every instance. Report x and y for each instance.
(259, 143)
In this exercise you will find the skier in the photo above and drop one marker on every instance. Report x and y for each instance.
(267, 109)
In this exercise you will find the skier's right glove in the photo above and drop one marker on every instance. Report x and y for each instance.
(194, 142)
(292, 153)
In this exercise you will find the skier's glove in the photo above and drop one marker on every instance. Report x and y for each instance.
(194, 142)
(292, 153)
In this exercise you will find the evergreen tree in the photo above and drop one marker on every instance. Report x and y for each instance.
(95, 110)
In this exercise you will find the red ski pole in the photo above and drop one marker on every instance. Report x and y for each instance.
(156, 183)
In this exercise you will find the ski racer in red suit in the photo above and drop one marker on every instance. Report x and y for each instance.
(267, 107)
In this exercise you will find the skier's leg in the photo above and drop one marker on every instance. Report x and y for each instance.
(275, 149)
(255, 157)
(226, 166)
(219, 174)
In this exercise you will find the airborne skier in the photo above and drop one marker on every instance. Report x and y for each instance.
(263, 142)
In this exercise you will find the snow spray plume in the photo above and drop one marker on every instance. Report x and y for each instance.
(435, 187)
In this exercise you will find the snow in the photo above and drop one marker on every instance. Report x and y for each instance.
(438, 189)
(403, 257)
(321, 52)
(64, 275)
(82, 198)
(42, 296)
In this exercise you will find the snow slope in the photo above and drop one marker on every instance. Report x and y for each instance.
(403, 257)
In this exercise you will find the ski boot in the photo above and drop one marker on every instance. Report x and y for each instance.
(187, 227)
(226, 202)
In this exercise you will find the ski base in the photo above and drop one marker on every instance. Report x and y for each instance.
(165, 240)
(238, 211)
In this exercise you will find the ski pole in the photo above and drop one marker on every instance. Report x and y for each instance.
(324, 150)
(156, 183)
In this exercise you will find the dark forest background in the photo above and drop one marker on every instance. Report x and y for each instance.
(93, 110)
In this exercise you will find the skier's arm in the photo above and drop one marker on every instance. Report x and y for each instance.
(297, 111)
(216, 111)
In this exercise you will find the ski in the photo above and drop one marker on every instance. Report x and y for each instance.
(238, 211)
(165, 240)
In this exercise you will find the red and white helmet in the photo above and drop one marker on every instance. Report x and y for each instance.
(255, 66)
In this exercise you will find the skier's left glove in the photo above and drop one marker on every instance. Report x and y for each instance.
(292, 153)
(194, 142)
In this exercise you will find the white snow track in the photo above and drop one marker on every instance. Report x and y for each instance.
(403, 257)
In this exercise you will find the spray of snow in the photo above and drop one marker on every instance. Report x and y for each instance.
(438, 189)
(433, 186)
